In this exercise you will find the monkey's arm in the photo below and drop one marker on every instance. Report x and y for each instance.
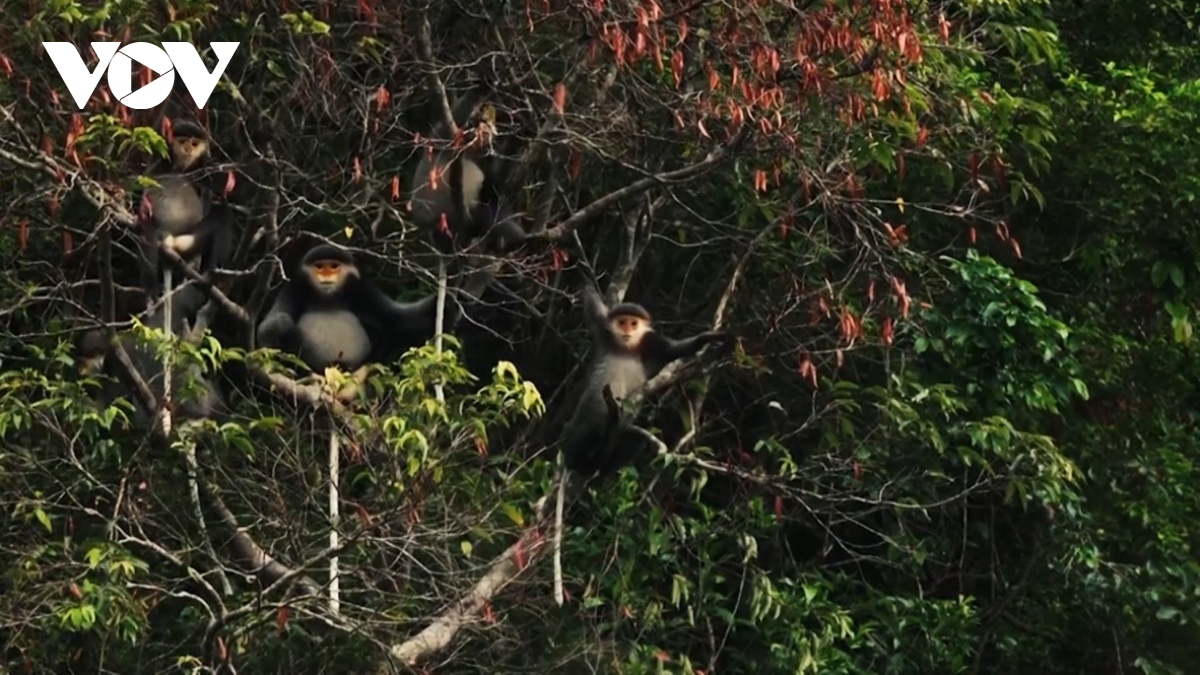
(418, 317)
(278, 327)
(396, 327)
(217, 229)
(595, 312)
(212, 237)
(147, 241)
(669, 350)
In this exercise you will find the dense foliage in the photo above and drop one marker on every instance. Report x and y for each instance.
(956, 435)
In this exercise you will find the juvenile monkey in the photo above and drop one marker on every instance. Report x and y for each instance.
(459, 200)
(93, 354)
(628, 353)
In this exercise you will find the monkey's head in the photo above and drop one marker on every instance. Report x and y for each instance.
(629, 323)
(329, 269)
(189, 145)
(90, 350)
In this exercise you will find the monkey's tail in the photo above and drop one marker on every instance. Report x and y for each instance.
(558, 529)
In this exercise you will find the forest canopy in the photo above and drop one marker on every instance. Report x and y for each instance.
(938, 254)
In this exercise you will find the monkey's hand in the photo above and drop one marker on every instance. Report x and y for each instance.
(342, 386)
(722, 343)
(278, 331)
(311, 380)
(610, 401)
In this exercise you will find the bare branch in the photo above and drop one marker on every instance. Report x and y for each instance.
(425, 47)
(231, 308)
(439, 634)
(252, 557)
(714, 158)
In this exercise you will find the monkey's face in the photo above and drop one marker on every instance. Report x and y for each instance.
(90, 365)
(90, 350)
(187, 151)
(329, 276)
(628, 330)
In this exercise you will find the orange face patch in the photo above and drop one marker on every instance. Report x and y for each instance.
(627, 324)
(629, 330)
(188, 150)
(326, 271)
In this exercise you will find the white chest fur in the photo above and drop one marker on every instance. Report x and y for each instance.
(176, 205)
(624, 374)
(333, 337)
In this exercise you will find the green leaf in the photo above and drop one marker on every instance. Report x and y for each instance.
(514, 515)
(43, 519)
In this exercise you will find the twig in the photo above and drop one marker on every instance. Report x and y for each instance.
(425, 47)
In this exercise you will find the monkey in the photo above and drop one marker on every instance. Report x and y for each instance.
(465, 189)
(460, 198)
(94, 357)
(185, 214)
(330, 315)
(628, 353)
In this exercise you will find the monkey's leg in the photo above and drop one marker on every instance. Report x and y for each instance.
(635, 432)
(563, 476)
(608, 440)
(349, 392)
(335, 590)
(182, 244)
(439, 320)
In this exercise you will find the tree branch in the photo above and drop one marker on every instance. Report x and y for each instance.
(253, 558)
(425, 47)
(439, 634)
(568, 226)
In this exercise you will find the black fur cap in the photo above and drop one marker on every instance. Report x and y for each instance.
(629, 309)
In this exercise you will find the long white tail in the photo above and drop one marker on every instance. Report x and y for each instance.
(335, 589)
(563, 475)
(439, 320)
(169, 330)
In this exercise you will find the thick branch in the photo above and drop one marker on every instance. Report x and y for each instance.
(638, 227)
(253, 558)
(439, 634)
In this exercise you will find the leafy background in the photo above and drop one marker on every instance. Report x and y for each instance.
(952, 236)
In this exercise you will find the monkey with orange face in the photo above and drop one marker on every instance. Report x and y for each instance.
(329, 314)
(183, 211)
(629, 352)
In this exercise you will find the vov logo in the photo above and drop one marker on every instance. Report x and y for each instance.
(172, 57)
